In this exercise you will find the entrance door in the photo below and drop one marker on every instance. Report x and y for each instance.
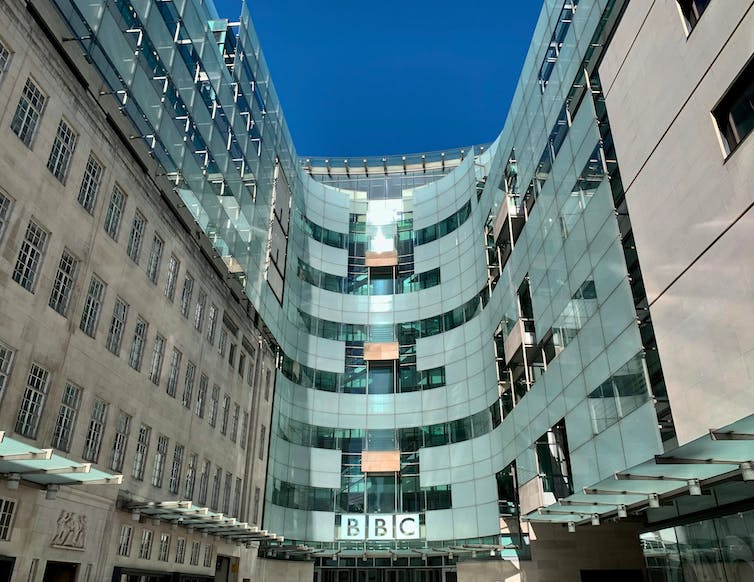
(6, 568)
(60, 572)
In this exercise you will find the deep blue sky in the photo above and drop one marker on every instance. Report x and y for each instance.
(391, 77)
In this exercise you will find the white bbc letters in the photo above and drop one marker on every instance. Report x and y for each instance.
(357, 526)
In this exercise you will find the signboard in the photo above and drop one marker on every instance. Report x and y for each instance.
(359, 526)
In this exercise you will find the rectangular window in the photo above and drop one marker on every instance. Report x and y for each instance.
(225, 414)
(6, 205)
(212, 409)
(203, 483)
(158, 355)
(6, 365)
(145, 547)
(180, 550)
(252, 368)
(30, 256)
(115, 213)
(188, 384)
(7, 513)
(267, 385)
(120, 442)
(211, 322)
(692, 11)
(232, 354)
(255, 513)
(142, 450)
(222, 342)
(29, 110)
(215, 501)
(33, 401)
(201, 301)
(241, 364)
(195, 549)
(174, 265)
(62, 151)
(160, 457)
(136, 237)
(188, 289)
(262, 438)
(4, 59)
(188, 484)
(174, 483)
(735, 113)
(244, 429)
(90, 184)
(124, 541)
(96, 430)
(237, 498)
(208, 553)
(201, 395)
(66, 420)
(234, 422)
(92, 306)
(117, 326)
(137, 344)
(162, 555)
(62, 287)
(174, 372)
(155, 257)
(554, 461)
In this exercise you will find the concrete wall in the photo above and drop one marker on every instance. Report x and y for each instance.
(282, 571)
(690, 207)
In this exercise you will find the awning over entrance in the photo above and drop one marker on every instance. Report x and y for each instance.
(187, 514)
(723, 456)
(19, 460)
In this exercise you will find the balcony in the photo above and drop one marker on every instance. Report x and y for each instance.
(520, 342)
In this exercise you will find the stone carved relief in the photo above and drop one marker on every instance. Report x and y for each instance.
(71, 531)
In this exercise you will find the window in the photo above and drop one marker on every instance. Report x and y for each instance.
(214, 502)
(65, 278)
(237, 498)
(213, 403)
(66, 421)
(188, 384)
(188, 289)
(174, 265)
(267, 385)
(6, 205)
(142, 450)
(201, 301)
(554, 462)
(7, 513)
(173, 372)
(232, 354)
(158, 354)
(29, 110)
(33, 401)
(4, 58)
(692, 11)
(137, 236)
(208, 553)
(175, 470)
(244, 429)
(122, 432)
(6, 365)
(222, 342)
(124, 541)
(180, 550)
(115, 213)
(90, 184)
(194, 558)
(735, 113)
(255, 514)
(201, 395)
(155, 256)
(203, 482)
(234, 422)
(160, 457)
(211, 320)
(162, 554)
(225, 414)
(145, 548)
(62, 151)
(252, 368)
(117, 325)
(94, 298)
(95, 432)
(241, 364)
(137, 344)
(30, 256)
(188, 484)
(262, 437)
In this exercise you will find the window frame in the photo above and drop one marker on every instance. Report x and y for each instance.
(28, 124)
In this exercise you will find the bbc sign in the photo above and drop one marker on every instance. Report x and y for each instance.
(357, 526)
